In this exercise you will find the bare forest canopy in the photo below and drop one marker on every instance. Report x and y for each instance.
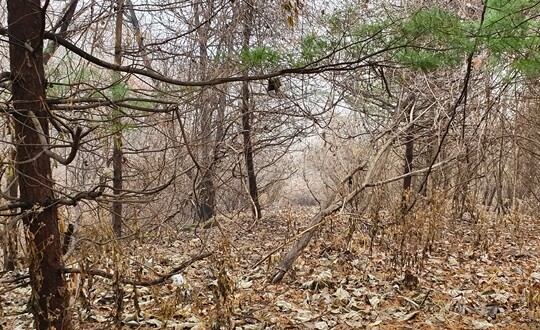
(133, 130)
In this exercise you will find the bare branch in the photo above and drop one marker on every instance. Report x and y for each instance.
(45, 147)
(340, 66)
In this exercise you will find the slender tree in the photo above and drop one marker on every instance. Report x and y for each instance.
(247, 118)
(117, 124)
(206, 188)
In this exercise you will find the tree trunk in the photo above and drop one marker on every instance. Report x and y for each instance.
(206, 189)
(49, 294)
(12, 232)
(248, 153)
(335, 204)
(117, 127)
(409, 155)
(246, 124)
(407, 168)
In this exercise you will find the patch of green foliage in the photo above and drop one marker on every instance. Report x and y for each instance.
(428, 39)
(260, 57)
(119, 90)
(345, 19)
(313, 48)
(433, 38)
(426, 60)
(349, 30)
(511, 34)
(62, 79)
(506, 26)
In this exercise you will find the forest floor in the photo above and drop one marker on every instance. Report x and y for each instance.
(476, 277)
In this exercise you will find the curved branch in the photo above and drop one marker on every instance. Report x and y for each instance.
(43, 141)
(341, 66)
(15, 205)
(93, 194)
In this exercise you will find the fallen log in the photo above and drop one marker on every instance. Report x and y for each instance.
(335, 204)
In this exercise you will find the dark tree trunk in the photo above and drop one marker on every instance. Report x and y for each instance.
(206, 188)
(117, 126)
(246, 123)
(49, 294)
(117, 184)
(248, 152)
(407, 168)
(206, 197)
(409, 155)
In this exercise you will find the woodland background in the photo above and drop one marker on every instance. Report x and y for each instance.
(253, 164)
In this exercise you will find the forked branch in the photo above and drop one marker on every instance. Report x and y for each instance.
(77, 135)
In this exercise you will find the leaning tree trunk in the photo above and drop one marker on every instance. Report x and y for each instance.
(49, 294)
(62, 26)
(334, 204)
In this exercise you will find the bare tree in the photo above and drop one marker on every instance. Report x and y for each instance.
(116, 123)
(247, 115)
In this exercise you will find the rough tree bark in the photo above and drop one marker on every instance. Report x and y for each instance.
(117, 127)
(49, 294)
(206, 188)
(10, 238)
